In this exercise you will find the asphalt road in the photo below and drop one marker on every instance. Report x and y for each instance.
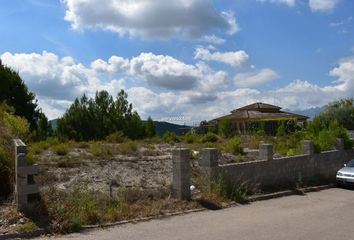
(328, 214)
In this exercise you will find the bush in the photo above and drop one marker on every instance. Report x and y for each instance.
(234, 146)
(18, 126)
(170, 137)
(324, 134)
(10, 126)
(27, 227)
(128, 147)
(38, 147)
(99, 150)
(222, 190)
(326, 140)
(117, 137)
(210, 137)
(289, 145)
(190, 137)
(61, 149)
(224, 128)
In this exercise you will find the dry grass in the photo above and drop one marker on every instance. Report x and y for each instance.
(69, 210)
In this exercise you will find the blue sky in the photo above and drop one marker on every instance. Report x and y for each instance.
(174, 58)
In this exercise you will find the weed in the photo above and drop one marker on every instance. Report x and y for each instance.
(33, 159)
(190, 137)
(170, 137)
(210, 137)
(222, 190)
(117, 137)
(233, 146)
(149, 151)
(61, 149)
(83, 145)
(27, 227)
(128, 147)
(66, 163)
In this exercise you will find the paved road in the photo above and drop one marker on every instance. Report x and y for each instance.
(328, 214)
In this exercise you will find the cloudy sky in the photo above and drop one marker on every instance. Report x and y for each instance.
(182, 60)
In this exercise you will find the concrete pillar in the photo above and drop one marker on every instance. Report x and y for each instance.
(266, 152)
(209, 164)
(340, 144)
(308, 147)
(181, 174)
(26, 190)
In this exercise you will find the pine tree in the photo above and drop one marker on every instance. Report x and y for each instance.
(150, 128)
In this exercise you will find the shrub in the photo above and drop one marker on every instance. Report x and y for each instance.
(80, 206)
(128, 147)
(210, 137)
(10, 126)
(326, 140)
(170, 137)
(223, 190)
(233, 145)
(18, 126)
(100, 150)
(38, 147)
(324, 134)
(117, 137)
(190, 137)
(224, 128)
(61, 149)
(27, 227)
(83, 145)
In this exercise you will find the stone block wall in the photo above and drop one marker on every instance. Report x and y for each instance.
(269, 172)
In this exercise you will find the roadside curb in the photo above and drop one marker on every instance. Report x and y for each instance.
(299, 191)
(144, 219)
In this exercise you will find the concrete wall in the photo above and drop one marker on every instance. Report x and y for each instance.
(269, 172)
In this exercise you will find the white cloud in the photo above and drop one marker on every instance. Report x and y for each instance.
(342, 22)
(57, 81)
(255, 78)
(158, 19)
(290, 3)
(235, 59)
(60, 80)
(164, 71)
(214, 39)
(323, 5)
(115, 64)
(345, 74)
(298, 94)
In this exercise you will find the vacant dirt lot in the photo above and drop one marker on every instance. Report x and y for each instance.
(146, 168)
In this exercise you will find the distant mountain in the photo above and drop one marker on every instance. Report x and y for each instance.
(161, 127)
(311, 112)
(54, 123)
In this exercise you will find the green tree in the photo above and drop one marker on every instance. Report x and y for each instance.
(150, 128)
(134, 127)
(96, 118)
(341, 111)
(224, 128)
(15, 93)
(11, 126)
(44, 129)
